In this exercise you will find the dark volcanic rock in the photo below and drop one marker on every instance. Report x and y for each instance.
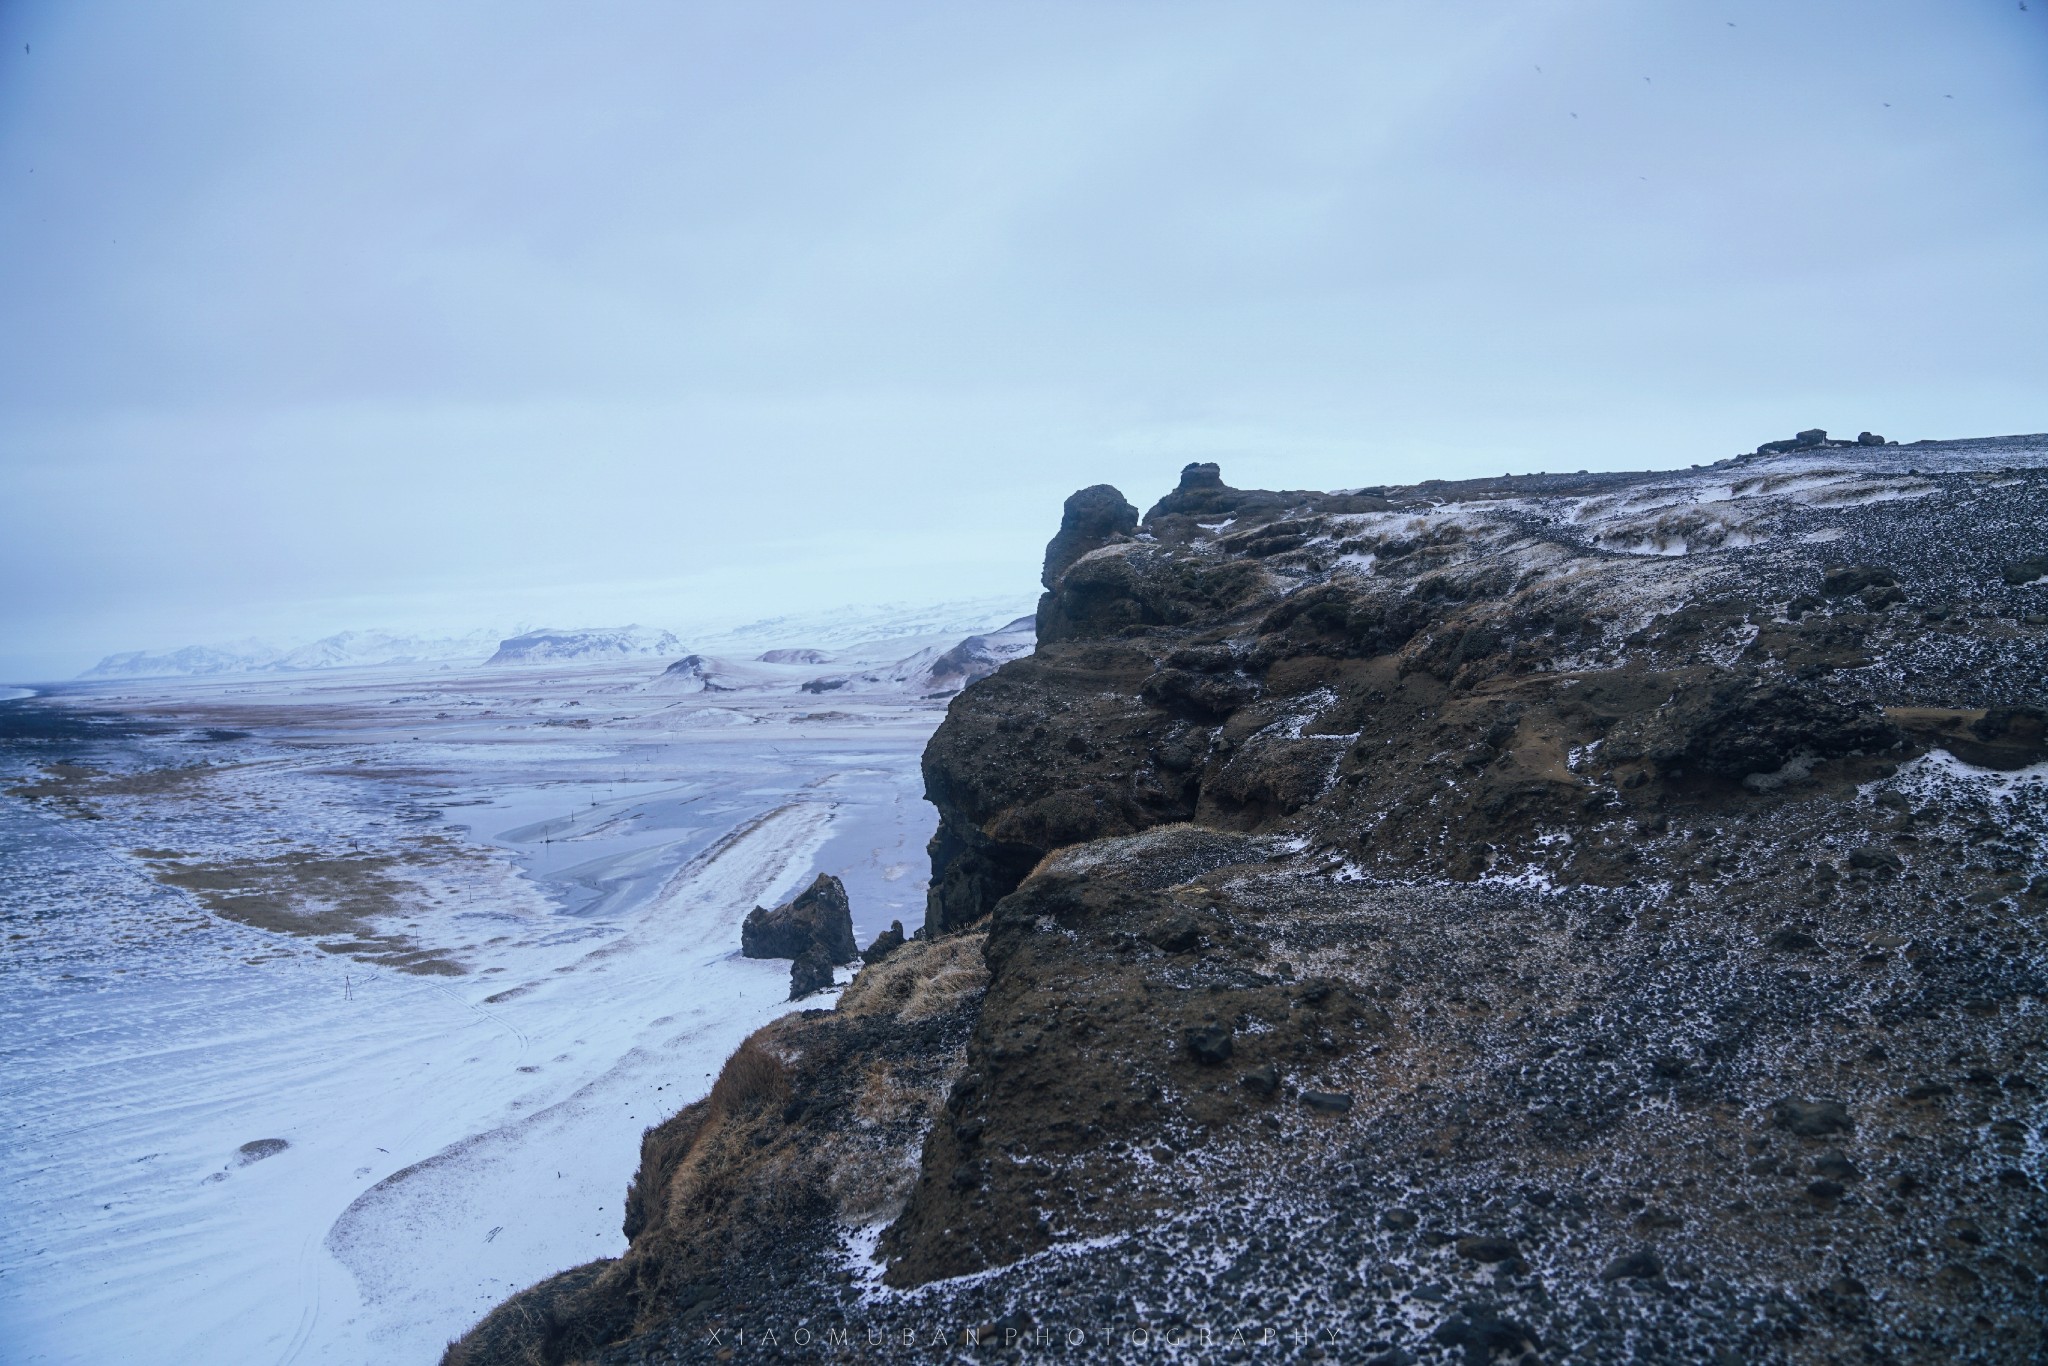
(1746, 725)
(1480, 1248)
(811, 972)
(1843, 579)
(1092, 518)
(2033, 568)
(1812, 1118)
(1640, 1265)
(819, 917)
(1486, 1338)
(1210, 1043)
(886, 943)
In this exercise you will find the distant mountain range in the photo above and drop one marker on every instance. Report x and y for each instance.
(850, 634)
(550, 645)
(343, 650)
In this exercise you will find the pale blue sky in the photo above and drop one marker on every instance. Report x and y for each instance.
(319, 316)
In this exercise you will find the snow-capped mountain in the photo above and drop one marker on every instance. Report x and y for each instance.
(700, 673)
(352, 649)
(552, 644)
(343, 650)
(241, 656)
(937, 672)
(855, 637)
(859, 630)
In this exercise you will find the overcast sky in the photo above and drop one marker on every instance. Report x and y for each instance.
(317, 316)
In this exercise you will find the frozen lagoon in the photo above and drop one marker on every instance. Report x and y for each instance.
(580, 848)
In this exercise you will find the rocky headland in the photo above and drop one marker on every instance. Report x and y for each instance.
(1561, 917)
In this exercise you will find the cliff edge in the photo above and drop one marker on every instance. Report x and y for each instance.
(1587, 917)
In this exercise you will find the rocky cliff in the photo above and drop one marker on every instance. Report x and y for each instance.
(1590, 917)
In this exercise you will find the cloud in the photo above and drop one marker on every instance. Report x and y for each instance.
(423, 310)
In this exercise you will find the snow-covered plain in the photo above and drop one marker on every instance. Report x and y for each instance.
(583, 848)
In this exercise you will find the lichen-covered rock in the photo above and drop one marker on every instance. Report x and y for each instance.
(819, 916)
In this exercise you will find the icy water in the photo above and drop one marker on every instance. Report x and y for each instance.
(232, 1141)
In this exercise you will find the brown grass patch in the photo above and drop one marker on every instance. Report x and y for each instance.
(68, 784)
(308, 894)
(754, 1076)
(922, 979)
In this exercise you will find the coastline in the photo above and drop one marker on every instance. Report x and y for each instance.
(298, 1111)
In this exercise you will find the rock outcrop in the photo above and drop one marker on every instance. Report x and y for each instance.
(1558, 917)
(811, 973)
(819, 917)
(1091, 519)
(886, 943)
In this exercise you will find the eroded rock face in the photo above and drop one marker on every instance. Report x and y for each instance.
(1535, 915)
(810, 1123)
(819, 917)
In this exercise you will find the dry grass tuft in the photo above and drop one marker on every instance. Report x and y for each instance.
(922, 979)
(754, 1076)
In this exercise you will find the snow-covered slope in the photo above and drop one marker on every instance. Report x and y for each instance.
(700, 673)
(854, 629)
(239, 656)
(551, 645)
(343, 650)
(353, 649)
(977, 657)
(937, 672)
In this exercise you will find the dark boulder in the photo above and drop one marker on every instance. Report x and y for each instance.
(2003, 737)
(2027, 570)
(819, 918)
(886, 943)
(1201, 697)
(1844, 579)
(1807, 440)
(1836, 1166)
(1486, 1337)
(1210, 1043)
(1480, 1248)
(1869, 439)
(1812, 1118)
(811, 972)
(1640, 1265)
(1092, 518)
(1738, 726)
